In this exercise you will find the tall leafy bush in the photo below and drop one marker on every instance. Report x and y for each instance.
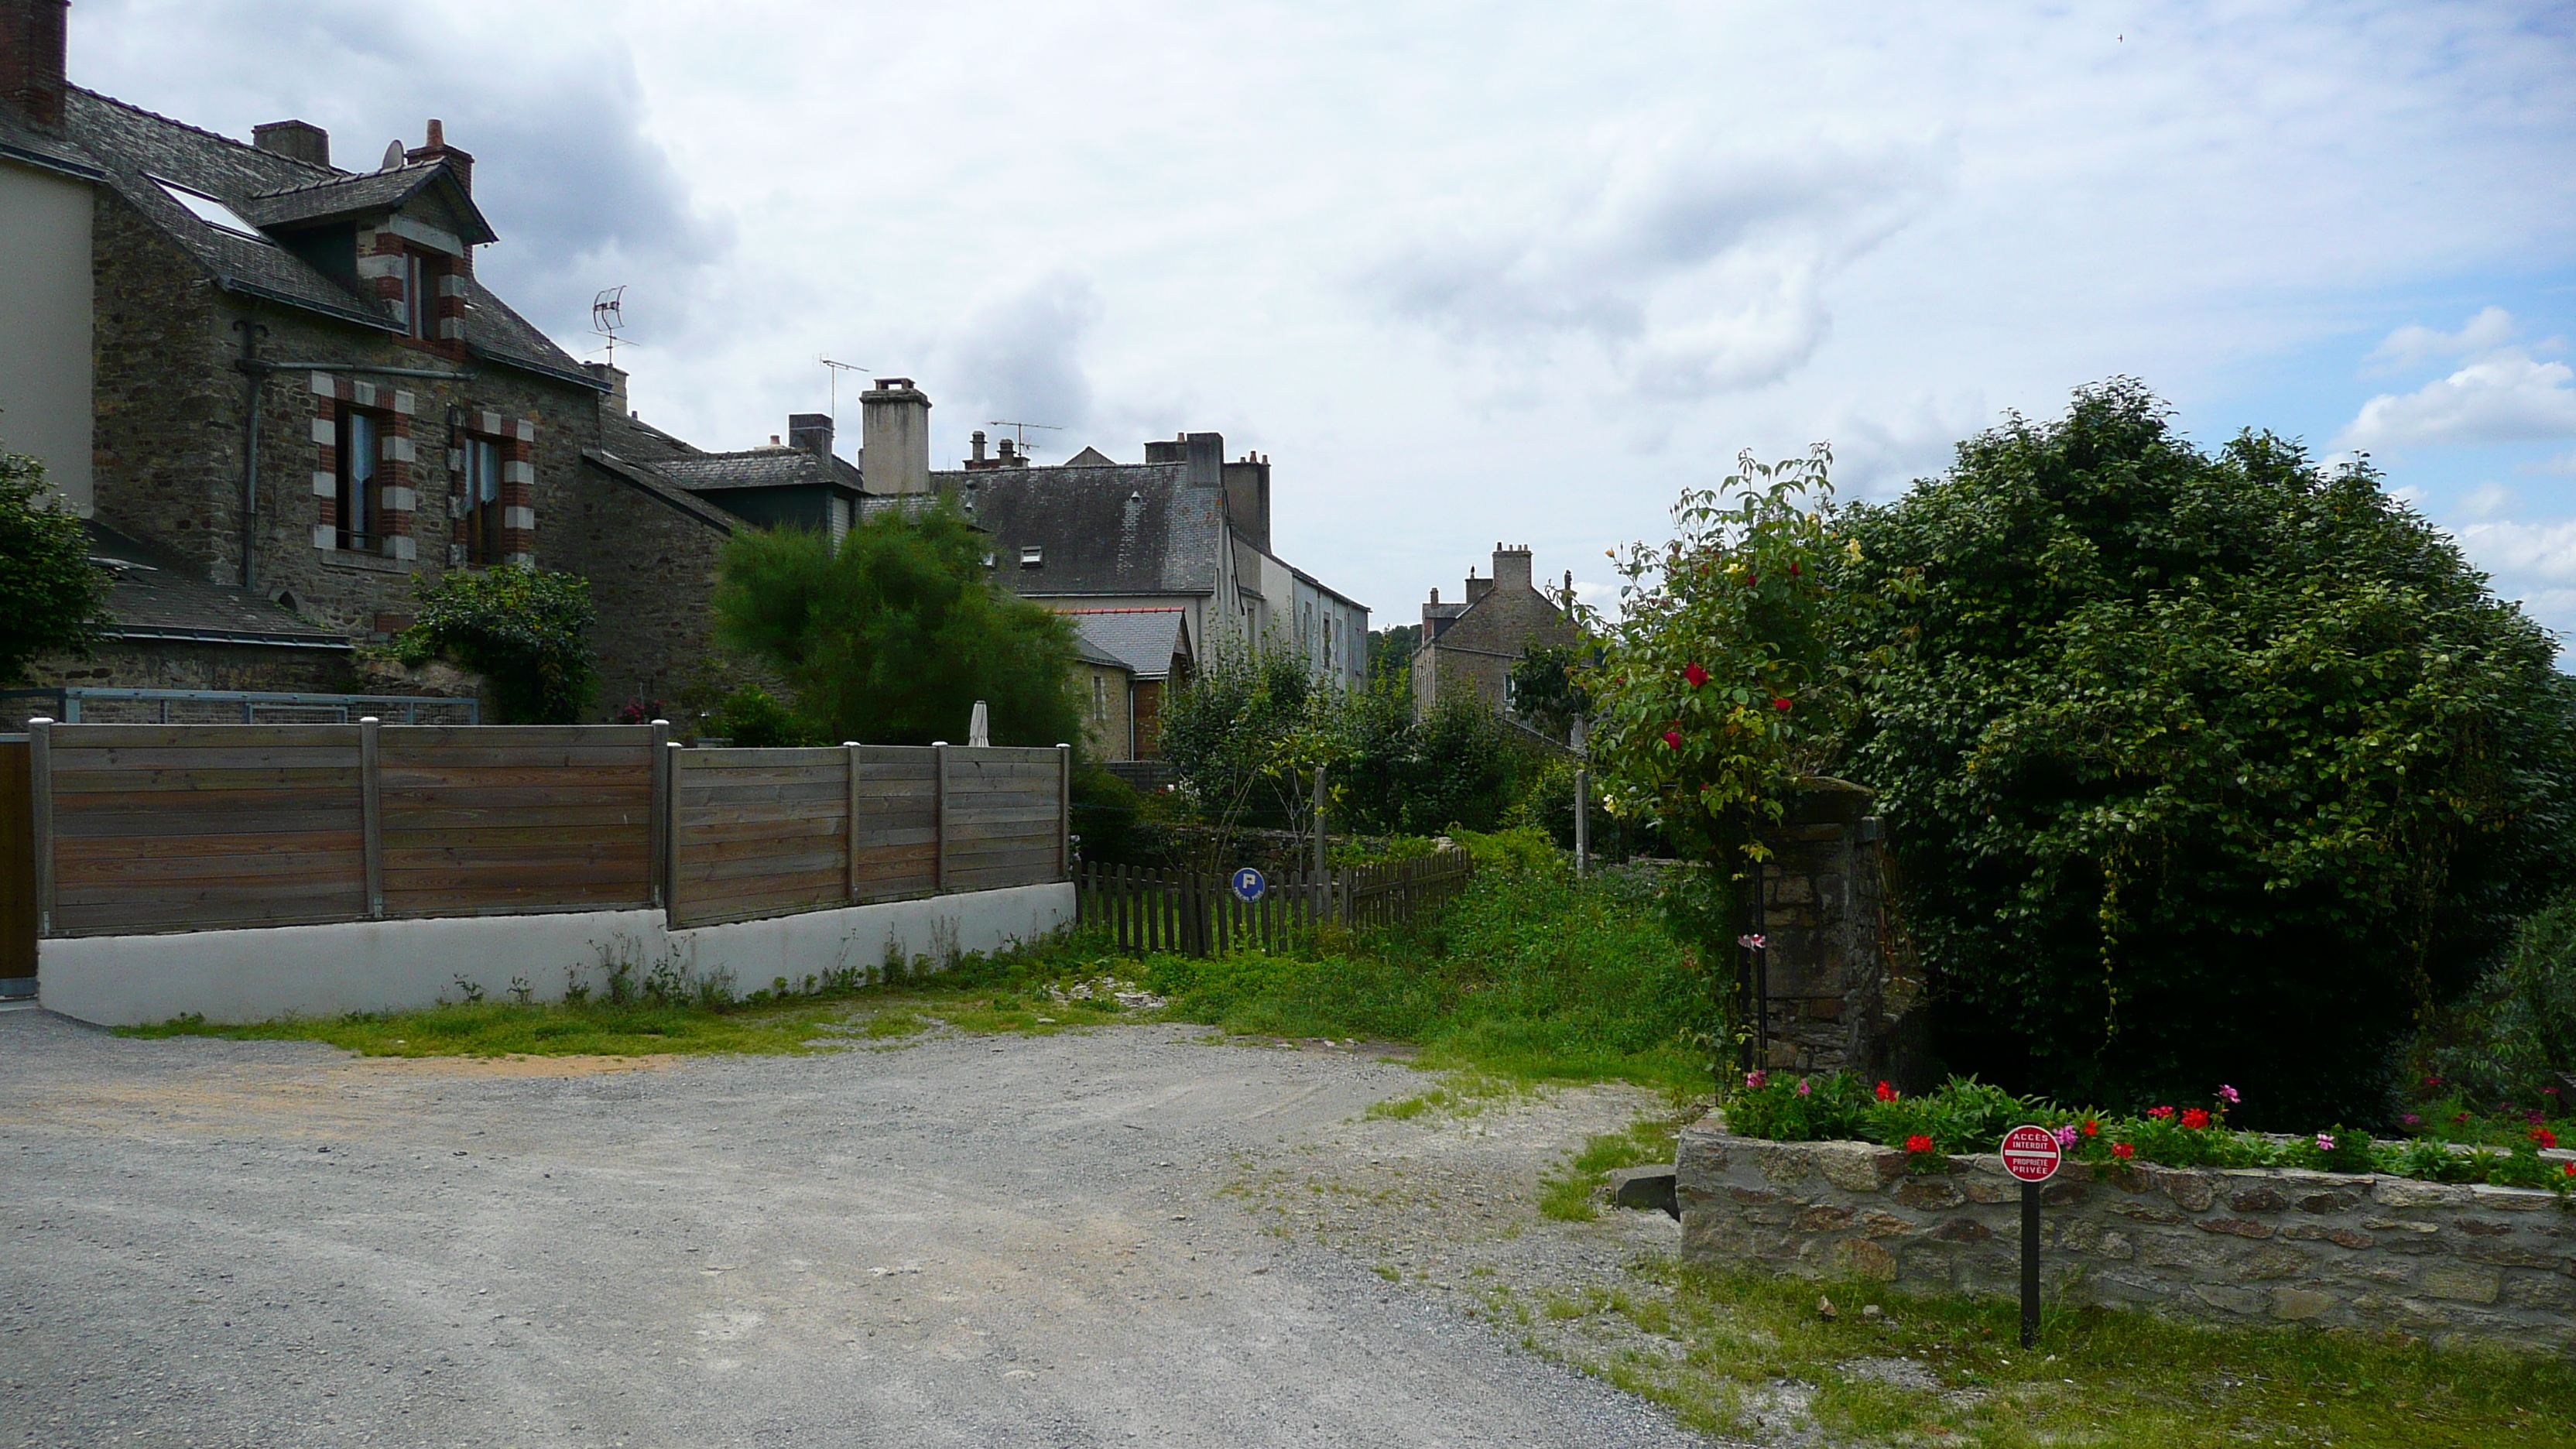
(54, 597)
(527, 632)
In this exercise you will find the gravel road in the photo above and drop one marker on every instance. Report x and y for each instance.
(1082, 1239)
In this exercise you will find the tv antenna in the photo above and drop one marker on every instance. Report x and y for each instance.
(608, 318)
(837, 369)
(1021, 431)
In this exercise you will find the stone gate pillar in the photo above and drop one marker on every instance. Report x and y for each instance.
(1840, 997)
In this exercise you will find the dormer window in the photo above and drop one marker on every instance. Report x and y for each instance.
(1031, 556)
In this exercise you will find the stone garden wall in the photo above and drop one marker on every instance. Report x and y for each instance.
(2232, 1246)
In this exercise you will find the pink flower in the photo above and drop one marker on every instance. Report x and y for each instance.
(2325, 1142)
(2534, 1118)
(2410, 1120)
(2160, 1113)
(1753, 943)
(1756, 1078)
(2228, 1095)
(1696, 675)
(1672, 739)
(2065, 1136)
(1803, 1089)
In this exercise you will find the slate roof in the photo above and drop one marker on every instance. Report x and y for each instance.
(1144, 640)
(1136, 528)
(21, 142)
(761, 468)
(653, 483)
(158, 595)
(129, 147)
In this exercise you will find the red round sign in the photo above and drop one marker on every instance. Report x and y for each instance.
(2031, 1153)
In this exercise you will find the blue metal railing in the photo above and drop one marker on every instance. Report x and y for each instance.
(70, 706)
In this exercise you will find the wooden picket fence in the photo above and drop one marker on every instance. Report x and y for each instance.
(1185, 912)
(137, 829)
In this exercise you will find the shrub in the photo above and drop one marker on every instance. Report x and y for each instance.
(2514, 1037)
(57, 597)
(2177, 747)
(752, 718)
(527, 632)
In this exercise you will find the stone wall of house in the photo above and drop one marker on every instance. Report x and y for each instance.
(652, 571)
(2379, 1254)
(1841, 992)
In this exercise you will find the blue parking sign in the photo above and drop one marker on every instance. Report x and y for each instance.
(1248, 884)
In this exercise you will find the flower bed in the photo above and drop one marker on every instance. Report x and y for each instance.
(2365, 1251)
(1967, 1116)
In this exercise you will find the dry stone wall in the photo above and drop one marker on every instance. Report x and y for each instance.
(2370, 1253)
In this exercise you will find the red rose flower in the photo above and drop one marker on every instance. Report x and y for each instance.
(1779, 704)
(2123, 1151)
(2194, 1117)
(1696, 675)
(1886, 1093)
(1918, 1143)
(1672, 739)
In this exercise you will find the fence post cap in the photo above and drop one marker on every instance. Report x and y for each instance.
(658, 722)
(939, 744)
(40, 719)
(1061, 745)
(849, 744)
(369, 719)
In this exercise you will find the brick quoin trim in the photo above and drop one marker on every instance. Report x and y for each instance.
(518, 440)
(396, 500)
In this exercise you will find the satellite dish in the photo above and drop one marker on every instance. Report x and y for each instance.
(393, 156)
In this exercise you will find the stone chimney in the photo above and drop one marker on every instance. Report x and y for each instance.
(296, 140)
(895, 435)
(459, 163)
(1512, 567)
(1477, 588)
(811, 432)
(31, 60)
(612, 377)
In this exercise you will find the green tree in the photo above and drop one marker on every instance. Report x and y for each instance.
(1391, 651)
(52, 598)
(892, 636)
(1246, 733)
(526, 631)
(2200, 767)
(1726, 679)
(1547, 690)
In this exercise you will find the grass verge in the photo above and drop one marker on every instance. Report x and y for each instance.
(1566, 1194)
(1750, 1353)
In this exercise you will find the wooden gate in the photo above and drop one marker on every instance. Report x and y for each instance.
(17, 865)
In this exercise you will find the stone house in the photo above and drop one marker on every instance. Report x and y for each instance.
(1469, 647)
(1151, 650)
(282, 398)
(1185, 532)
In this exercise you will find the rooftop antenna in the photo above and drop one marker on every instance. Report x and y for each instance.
(837, 369)
(607, 317)
(1021, 431)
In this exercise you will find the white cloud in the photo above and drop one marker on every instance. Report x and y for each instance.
(2489, 499)
(2507, 398)
(2410, 345)
(1020, 358)
(2563, 465)
(2521, 551)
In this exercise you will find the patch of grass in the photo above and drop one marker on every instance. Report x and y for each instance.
(1532, 976)
(980, 996)
(1566, 1195)
(2098, 1376)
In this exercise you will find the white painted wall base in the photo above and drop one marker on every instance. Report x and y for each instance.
(259, 975)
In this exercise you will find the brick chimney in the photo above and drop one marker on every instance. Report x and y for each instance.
(31, 60)
(296, 140)
(811, 432)
(1512, 567)
(612, 377)
(894, 436)
(459, 163)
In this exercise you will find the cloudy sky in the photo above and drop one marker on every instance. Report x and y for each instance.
(1480, 272)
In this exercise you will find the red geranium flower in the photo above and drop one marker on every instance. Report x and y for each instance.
(1696, 675)
(1918, 1143)
(2160, 1113)
(1886, 1093)
(2123, 1151)
(2092, 1129)
(2546, 1138)
(2194, 1117)
(1672, 739)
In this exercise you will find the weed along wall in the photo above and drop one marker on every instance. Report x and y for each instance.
(252, 871)
(2266, 1245)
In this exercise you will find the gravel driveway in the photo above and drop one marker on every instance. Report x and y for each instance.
(1071, 1240)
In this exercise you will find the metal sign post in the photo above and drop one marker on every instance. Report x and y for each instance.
(2031, 1155)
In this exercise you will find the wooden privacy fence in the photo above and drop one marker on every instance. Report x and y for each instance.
(159, 828)
(1199, 915)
